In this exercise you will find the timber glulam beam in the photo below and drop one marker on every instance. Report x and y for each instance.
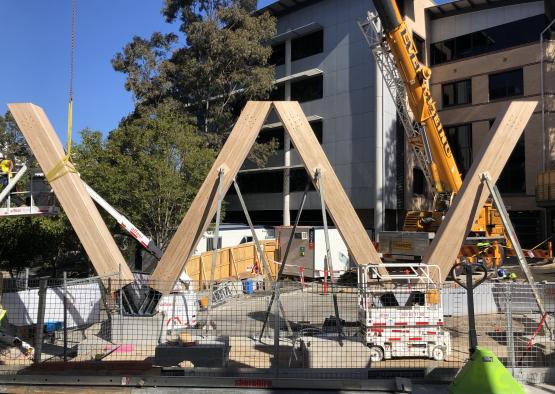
(230, 159)
(71, 193)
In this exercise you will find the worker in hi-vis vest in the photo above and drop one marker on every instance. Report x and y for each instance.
(6, 167)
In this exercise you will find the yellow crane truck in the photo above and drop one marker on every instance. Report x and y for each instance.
(439, 164)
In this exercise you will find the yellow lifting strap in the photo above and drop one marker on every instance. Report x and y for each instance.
(65, 165)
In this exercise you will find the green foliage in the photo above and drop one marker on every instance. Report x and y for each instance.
(149, 168)
(47, 245)
(188, 92)
(12, 143)
(222, 64)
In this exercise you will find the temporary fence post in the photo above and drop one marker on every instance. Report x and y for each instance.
(65, 316)
(39, 328)
(215, 248)
(510, 337)
(26, 278)
(276, 327)
(120, 292)
(328, 261)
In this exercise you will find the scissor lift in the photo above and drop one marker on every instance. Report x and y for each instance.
(404, 319)
(38, 200)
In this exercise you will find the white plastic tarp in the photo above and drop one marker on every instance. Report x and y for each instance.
(179, 309)
(83, 306)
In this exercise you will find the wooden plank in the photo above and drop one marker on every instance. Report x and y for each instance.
(203, 207)
(497, 147)
(337, 203)
(71, 193)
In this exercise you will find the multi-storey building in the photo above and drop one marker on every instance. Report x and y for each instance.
(482, 53)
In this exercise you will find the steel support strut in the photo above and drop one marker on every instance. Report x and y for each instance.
(284, 260)
(329, 261)
(215, 246)
(511, 234)
(261, 255)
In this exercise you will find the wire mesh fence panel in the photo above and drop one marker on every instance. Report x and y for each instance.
(532, 342)
(316, 334)
(52, 319)
(256, 324)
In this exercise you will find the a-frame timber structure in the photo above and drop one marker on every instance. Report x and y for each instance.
(496, 149)
(71, 193)
(230, 159)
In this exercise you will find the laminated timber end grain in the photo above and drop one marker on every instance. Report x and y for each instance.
(71, 193)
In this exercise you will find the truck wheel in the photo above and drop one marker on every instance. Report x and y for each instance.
(438, 353)
(376, 354)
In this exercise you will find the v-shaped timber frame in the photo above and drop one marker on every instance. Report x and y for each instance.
(230, 159)
(496, 149)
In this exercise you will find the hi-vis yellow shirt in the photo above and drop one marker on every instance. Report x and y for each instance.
(6, 166)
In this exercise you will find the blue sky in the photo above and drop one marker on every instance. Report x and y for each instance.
(35, 43)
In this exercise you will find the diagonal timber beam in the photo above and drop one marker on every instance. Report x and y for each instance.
(71, 193)
(203, 207)
(497, 147)
(231, 158)
(337, 203)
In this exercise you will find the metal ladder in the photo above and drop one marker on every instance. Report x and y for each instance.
(416, 136)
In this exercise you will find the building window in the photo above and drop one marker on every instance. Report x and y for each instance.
(298, 178)
(318, 129)
(308, 45)
(495, 38)
(278, 54)
(456, 93)
(260, 182)
(513, 176)
(266, 135)
(308, 89)
(506, 84)
(418, 181)
(419, 44)
(460, 142)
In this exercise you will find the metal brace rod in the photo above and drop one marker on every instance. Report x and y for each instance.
(284, 260)
(498, 201)
(215, 246)
(329, 261)
(261, 255)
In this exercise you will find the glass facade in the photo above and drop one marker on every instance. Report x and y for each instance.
(456, 93)
(308, 45)
(495, 38)
(266, 135)
(302, 90)
(506, 84)
(301, 47)
(308, 89)
(460, 141)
